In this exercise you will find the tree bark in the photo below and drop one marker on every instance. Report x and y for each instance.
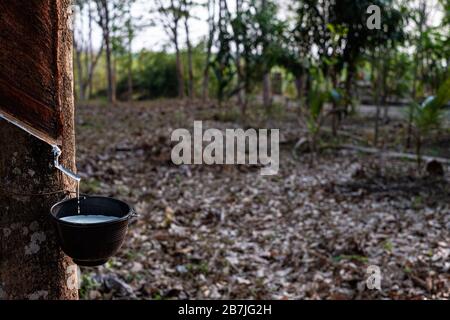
(212, 30)
(130, 75)
(384, 99)
(32, 266)
(130, 56)
(191, 92)
(299, 86)
(104, 23)
(378, 97)
(205, 84)
(91, 50)
(417, 58)
(179, 66)
(238, 56)
(88, 85)
(267, 95)
(78, 58)
(114, 77)
(267, 99)
(109, 59)
(335, 111)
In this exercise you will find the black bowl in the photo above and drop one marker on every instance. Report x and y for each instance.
(94, 243)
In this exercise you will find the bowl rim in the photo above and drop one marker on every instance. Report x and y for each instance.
(96, 224)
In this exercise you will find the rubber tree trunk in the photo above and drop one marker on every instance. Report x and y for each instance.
(106, 28)
(205, 84)
(32, 266)
(417, 57)
(212, 30)
(179, 66)
(335, 114)
(238, 58)
(378, 99)
(130, 76)
(299, 85)
(91, 48)
(109, 62)
(80, 74)
(191, 92)
(130, 63)
(267, 95)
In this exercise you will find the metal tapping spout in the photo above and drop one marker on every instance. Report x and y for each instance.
(57, 152)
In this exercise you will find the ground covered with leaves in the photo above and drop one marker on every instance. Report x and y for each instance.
(226, 232)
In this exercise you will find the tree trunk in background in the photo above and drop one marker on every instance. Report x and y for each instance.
(348, 88)
(130, 75)
(104, 21)
(417, 55)
(87, 85)
(386, 66)
(130, 56)
(335, 115)
(109, 59)
(180, 78)
(299, 87)
(172, 15)
(267, 98)
(91, 52)
(239, 79)
(205, 84)
(378, 98)
(212, 30)
(80, 87)
(86, 49)
(114, 76)
(32, 266)
(238, 57)
(78, 43)
(191, 92)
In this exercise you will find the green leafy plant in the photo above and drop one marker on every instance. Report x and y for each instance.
(87, 284)
(313, 115)
(428, 115)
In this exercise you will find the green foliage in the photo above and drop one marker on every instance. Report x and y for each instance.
(156, 76)
(429, 114)
(435, 48)
(333, 36)
(267, 31)
(425, 117)
(313, 113)
(398, 75)
(257, 32)
(222, 63)
(316, 102)
(443, 95)
(87, 284)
